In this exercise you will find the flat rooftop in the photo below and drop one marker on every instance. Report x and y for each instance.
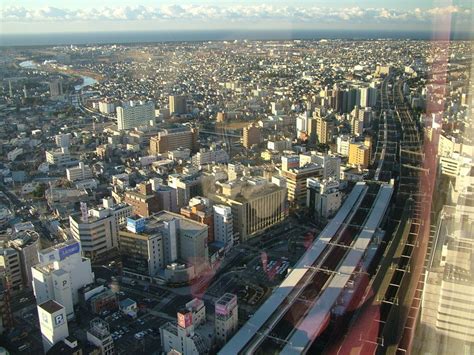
(51, 306)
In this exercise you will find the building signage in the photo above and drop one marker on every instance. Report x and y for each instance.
(68, 250)
(58, 320)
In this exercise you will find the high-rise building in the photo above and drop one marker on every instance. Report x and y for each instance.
(63, 140)
(27, 243)
(56, 88)
(143, 200)
(177, 104)
(182, 338)
(296, 181)
(256, 205)
(97, 229)
(325, 128)
(323, 198)
(331, 164)
(359, 154)
(226, 317)
(172, 139)
(61, 272)
(99, 335)
(141, 248)
(167, 198)
(199, 209)
(11, 264)
(106, 107)
(186, 186)
(80, 172)
(53, 323)
(251, 135)
(166, 242)
(132, 115)
(223, 225)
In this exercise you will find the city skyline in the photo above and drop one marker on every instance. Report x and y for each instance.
(87, 16)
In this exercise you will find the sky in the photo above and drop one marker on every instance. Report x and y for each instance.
(48, 16)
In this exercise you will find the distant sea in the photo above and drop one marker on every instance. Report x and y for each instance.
(43, 39)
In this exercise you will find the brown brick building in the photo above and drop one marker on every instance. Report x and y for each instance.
(144, 200)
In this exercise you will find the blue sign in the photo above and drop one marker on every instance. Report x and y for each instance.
(68, 251)
(136, 225)
(58, 320)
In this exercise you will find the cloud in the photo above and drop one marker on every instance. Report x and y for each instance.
(263, 12)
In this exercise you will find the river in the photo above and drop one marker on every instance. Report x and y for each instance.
(86, 80)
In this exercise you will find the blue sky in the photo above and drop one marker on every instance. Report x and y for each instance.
(32, 16)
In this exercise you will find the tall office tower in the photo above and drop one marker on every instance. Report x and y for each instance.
(226, 317)
(312, 130)
(11, 264)
(372, 99)
(172, 139)
(323, 198)
(132, 115)
(325, 128)
(177, 104)
(143, 200)
(363, 97)
(97, 229)
(223, 225)
(256, 205)
(349, 99)
(56, 88)
(99, 335)
(359, 154)
(199, 209)
(27, 243)
(63, 140)
(336, 100)
(53, 323)
(61, 272)
(251, 135)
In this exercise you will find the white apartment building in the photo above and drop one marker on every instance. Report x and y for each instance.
(323, 197)
(132, 115)
(204, 157)
(223, 225)
(59, 157)
(106, 107)
(80, 172)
